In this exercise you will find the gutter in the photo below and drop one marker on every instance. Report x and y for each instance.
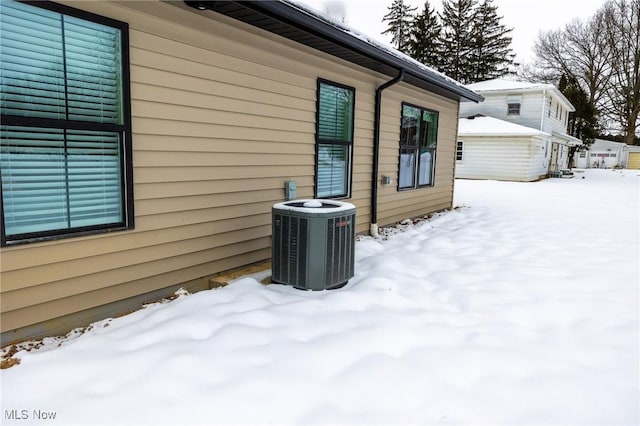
(544, 103)
(292, 21)
(373, 230)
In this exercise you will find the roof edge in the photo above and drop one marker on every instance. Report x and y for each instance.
(294, 16)
(539, 88)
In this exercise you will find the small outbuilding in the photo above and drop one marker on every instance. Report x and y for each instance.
(604, 154)
(490, 148)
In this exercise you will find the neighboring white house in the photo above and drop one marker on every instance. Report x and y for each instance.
(605, 154)
(541, 108)
(490, 148)
(602, 154)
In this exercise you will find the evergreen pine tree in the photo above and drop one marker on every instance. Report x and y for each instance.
(491, 53)
(457, 38)
(424, 42)
(583, 122)
(400, 19)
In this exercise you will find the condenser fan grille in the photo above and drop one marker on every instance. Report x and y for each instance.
(313, 248)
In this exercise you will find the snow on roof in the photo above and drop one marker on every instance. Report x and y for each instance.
(485, 126)
(504, 85)
(500, 84)
(605, 144)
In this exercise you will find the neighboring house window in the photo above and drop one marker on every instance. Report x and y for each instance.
(334, 139)
(65, 136)
(418, 140)
(459, 150)
(550, 106)
(513, 109)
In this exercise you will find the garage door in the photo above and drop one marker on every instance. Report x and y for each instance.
(634, 160)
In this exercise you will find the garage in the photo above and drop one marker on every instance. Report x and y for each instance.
(634, 160)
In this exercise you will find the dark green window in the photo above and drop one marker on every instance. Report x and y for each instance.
(418, 141)
(334, 140)
(65, 134)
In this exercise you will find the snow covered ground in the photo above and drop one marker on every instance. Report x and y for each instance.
(519, 307)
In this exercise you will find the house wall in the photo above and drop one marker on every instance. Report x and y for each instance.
(535, 110)
(555, 116)
(603, 154)
(394, 205)
(502, 158)
(539, 158)
(222, 115)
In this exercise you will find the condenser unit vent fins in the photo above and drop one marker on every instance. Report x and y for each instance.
(313, 243)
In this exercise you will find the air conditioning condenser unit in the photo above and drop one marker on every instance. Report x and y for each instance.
(313, 243)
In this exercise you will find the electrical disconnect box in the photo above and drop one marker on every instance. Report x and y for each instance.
(290, 190)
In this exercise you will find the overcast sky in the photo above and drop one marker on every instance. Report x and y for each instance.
(527, 17)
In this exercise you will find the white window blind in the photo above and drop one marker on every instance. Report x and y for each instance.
(335, 136)
(62, 131)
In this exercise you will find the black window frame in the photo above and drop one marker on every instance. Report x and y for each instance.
(348, 143)
(416, 148)
(124, 130)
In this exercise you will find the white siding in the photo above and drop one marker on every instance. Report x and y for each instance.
(513, 158)
(539, 158)
(495, 105)
(535, 111)
(555, 115)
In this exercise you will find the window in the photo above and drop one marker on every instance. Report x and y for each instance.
(334, 135)
(513, 109)
(583, 154)
(459, 150)
(65, 136)
(418, 140)
(513, 104)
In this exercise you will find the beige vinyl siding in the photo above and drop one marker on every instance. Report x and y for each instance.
(218, 125)
(394, 205)
(222, 115)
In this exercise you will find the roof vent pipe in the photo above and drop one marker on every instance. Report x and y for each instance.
(376, 151)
